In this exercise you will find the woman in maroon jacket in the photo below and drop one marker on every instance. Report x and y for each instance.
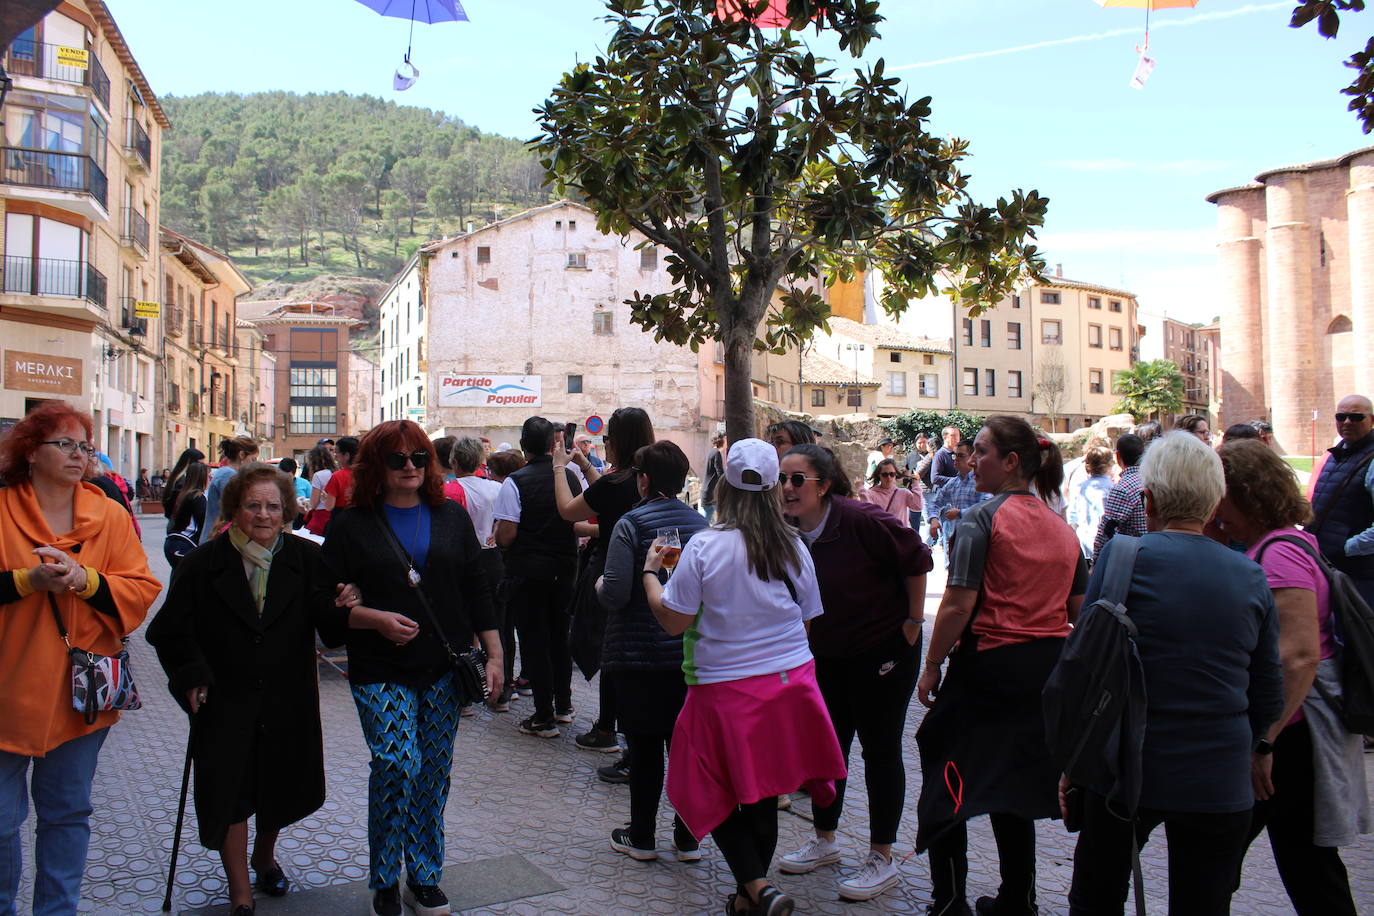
(872, 575)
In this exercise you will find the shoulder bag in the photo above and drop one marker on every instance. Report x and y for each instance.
(100, 683)
(469, 668)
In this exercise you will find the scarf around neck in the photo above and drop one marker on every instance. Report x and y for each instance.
(260, 558)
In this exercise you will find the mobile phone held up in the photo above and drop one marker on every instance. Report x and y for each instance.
(569, 433)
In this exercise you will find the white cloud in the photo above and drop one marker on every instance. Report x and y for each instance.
(1135, 243)
(1147, 167)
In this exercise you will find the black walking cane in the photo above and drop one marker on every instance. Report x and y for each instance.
(181, 816)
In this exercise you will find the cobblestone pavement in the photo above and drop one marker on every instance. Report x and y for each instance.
(514, 793)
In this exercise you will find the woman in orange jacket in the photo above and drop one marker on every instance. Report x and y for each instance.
(62, 537)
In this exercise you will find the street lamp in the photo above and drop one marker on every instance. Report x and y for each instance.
(857, 399)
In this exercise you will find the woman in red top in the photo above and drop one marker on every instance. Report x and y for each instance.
(1015, 584)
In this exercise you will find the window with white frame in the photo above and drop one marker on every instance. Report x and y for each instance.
(1095, 381)
(1095, 336)
(970, 381)
(577, 260)
(1114, 338)
(1050, 331)
(896, 384)
(1013, 335)
(968, 332)
(1013, 383)
(930, 385)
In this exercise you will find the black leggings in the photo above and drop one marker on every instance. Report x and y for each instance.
(748, 838)
(1015, 838)
(1314, 876)
(605, 716)
(864, 699)
(646, 754)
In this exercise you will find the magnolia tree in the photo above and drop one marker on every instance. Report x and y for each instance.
(759, 172)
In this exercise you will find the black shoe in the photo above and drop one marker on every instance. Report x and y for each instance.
(542, 729)
(522, 686)
(949, 909)
(273, 882)
(426, 899)
(989, 906)
(387, 901)
(597, 740)
(687, 847)
(617, 773)
(244, 910)
(621, 841)
(773, 902)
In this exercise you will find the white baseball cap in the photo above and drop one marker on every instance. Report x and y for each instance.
(751, 464)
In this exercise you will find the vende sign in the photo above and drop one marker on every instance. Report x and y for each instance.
(490, 391)
(37, 372)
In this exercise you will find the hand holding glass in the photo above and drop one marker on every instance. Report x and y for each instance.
(672, 547)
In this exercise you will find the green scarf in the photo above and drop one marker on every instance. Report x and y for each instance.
(259, 557)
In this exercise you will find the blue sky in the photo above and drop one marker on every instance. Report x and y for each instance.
(1235, 92)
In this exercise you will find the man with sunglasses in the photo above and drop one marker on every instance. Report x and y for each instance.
(1343, 497)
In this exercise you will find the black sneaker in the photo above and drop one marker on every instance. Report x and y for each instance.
(598, 740)
(686, 846)
(990, 906)
(617, 773)
(773, 902)
(543, 729)
(387, 901)
(622, 842)
(522, 687)
(563, 716)
(953, 908)
(426, 900)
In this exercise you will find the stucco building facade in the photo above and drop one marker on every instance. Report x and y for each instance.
(1296, 252)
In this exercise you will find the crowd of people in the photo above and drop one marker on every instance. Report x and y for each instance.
(742, 644)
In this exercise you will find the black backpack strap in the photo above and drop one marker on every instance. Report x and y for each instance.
(1316, 526)
(1116, 580)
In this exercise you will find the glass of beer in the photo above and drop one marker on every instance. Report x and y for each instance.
(672, 544)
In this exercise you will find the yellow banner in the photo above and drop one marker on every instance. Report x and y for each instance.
(144, 309)
(73, 57)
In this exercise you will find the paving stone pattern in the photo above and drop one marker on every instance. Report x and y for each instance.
(515, 794)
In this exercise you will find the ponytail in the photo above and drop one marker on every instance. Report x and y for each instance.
(1049, 477)
(1042, 464)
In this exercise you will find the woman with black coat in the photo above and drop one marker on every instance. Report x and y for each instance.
(414, 558)
(236, 637)
(644, 662)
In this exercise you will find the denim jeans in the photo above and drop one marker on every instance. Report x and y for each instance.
(61, 787)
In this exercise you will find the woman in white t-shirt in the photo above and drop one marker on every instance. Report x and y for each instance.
(319, 467)
(754, 725)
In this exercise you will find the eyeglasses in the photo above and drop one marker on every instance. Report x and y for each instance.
(888, 474)
(266, 508)
(67, 446)
(796, 479)
(1350, 417)
(397, 460)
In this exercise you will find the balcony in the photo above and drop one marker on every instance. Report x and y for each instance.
(56, 278)
(61, 178)
(39, 60)
(193, 405)
(129, 323)
(138, 149)
(175, 322)
(135, 229)
(196, 338)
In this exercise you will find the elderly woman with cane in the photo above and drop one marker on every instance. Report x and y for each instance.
(236, 637)
(72, 573)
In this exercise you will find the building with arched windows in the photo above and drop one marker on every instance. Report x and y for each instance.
(1296, 251)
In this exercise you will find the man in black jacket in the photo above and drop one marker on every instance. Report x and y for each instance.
(541, 563)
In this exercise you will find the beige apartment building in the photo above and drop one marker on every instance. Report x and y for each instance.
(79, 195)
(831, 387)
(911, 373)
(1296, 250)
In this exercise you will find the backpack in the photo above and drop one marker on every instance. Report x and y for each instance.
(1094, 699)
(923, 471)
(1353, 624)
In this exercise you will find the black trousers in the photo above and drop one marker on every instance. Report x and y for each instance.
(1015, 838)
(1205, 852)
(869, 697)
(494, 569)
(647, 754)
(748, 838)
(1314, 876)
(605, 716)
(541, 618)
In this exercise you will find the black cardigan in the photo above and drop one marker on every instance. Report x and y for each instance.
(356, 550)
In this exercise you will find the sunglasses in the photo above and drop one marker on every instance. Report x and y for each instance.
(796, 479)
(888, 474)
(1350, 417)
(397, 460)
(67, 446)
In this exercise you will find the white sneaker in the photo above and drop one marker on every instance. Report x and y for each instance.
(815, 853)
(877, 875)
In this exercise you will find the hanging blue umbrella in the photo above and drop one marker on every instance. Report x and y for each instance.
(426, 11)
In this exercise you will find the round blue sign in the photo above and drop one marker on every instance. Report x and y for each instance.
(594, 425)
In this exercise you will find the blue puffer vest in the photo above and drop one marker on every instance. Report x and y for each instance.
(634, 640)
(1351, 513)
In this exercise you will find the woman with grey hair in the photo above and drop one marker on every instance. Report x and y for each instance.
(1208, 641)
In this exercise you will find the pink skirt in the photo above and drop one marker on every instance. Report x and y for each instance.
(741, 741)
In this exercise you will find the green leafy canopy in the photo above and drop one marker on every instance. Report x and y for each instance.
(745, 156)
(1149, 388)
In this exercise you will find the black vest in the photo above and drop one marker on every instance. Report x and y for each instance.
(545, 546)
(1344, 508)
(634, 640)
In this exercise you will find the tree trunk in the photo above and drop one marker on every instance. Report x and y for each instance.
(739, 388)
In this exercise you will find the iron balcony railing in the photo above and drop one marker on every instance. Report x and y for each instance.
(53, 277)
(40, 59)
(136, 141)
(58, 171)
(131, 323)
(136, 227)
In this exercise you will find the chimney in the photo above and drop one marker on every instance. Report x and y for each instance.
(1059, 270)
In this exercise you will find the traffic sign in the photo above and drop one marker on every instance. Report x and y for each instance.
(594, 425)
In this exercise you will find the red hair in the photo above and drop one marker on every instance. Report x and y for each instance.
(38, 426)
(369, 468)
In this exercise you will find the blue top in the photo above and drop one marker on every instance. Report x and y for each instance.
(302, 487)
(1209, 642)
(219, 477)
(411, 527)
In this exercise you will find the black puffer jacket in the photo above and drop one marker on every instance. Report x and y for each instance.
(634, 640)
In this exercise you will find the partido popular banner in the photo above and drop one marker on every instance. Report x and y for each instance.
(490, 390)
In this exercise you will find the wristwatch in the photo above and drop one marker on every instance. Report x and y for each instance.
(1265, 747)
